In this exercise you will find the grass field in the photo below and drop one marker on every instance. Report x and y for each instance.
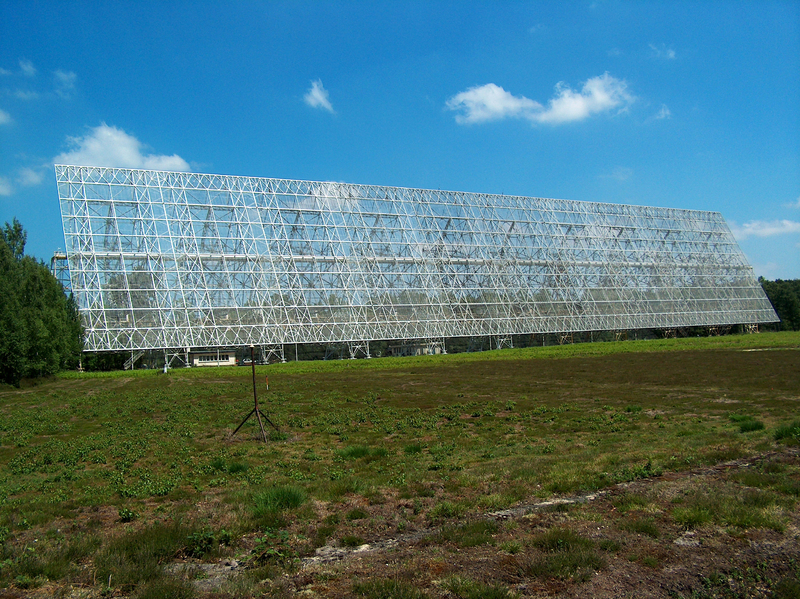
(131, 484)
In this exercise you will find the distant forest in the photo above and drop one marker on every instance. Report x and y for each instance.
(40, 331)
(785, 298)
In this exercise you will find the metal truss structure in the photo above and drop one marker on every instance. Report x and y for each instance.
(162, 260)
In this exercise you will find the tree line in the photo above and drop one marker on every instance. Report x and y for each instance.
(40, 331)
(785, 298)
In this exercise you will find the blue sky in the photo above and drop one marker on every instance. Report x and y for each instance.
(680, 104)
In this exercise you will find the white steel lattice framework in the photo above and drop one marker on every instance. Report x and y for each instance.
(162, 260)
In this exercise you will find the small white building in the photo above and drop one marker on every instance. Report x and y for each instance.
(213, 358)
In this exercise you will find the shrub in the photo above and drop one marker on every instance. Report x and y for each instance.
(127, 515)
(351, 541)
(273, 548)
(203, 542)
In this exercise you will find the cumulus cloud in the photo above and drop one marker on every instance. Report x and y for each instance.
(65, 83)
(317, 97)
(5, 118)
(27, 68)
(762, 228)
(5, 187)
(662, 52)
(491, 102)
(109, 146)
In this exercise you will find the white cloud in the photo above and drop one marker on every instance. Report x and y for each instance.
(5, 187)
(22, 94)
(664, 113)
(4, 71)
(29, 177)
(65, 83)
(620, 173)
(599, 94)
(797, 203)
(491, 102)
(5, 118)
(109, 146)
(317, 97)
(761, 228)
(663, 52)
(27, 68)
(614, 52)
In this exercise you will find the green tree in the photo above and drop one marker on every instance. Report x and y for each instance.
(40, 329)
(15, 237)
(785, 299)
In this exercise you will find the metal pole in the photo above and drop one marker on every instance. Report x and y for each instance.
(255, 395)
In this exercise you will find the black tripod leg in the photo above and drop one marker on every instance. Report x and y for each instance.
(243, 421)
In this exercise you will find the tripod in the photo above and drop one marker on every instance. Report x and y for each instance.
(256, 410)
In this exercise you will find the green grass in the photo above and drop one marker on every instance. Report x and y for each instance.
(388, 589)
(564, 555)
(471, 534)
(730, 506)
(643, 526)
(453, 436)
(135, 558)
(270, 505)
(464, 588)
(789, 433)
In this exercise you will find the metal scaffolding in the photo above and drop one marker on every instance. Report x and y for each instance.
(162, 260)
